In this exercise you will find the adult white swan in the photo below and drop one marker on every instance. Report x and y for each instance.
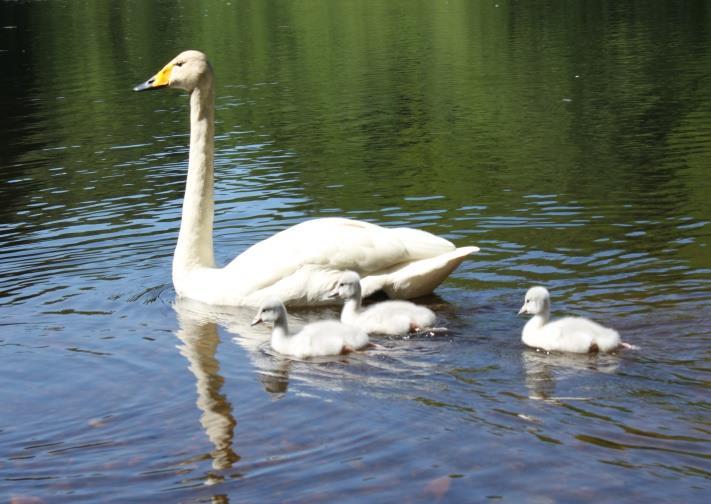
(301, 264)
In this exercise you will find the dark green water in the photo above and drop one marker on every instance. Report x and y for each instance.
(571, 141)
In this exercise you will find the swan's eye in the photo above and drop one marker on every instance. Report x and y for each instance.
(179, 64)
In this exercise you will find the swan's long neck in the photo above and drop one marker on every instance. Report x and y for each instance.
(194, 248)
(351, 308)
(280, 334)
(533, 325)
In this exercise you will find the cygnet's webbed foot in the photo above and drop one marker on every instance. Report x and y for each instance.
(428, 331)
(368, 346)
(628, 346)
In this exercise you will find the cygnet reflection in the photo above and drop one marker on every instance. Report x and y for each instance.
(271, 370)
(545, 370)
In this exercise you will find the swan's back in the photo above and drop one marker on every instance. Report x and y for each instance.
(290, 263)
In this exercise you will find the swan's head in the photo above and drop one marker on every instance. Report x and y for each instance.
(188, 70)
(348, 286)
(537, 301)
(270, 311)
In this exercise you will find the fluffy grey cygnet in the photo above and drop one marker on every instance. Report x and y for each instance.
(318, 339)
(569, 334)
(388, 317)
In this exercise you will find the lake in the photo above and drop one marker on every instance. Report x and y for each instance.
(570, 141)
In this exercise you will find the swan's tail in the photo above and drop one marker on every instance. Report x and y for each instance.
(604, 338)
(421, 244)
(417, 278)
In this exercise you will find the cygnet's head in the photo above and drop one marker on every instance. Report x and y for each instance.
(348, 286)
(537, 301)
(270, 311)
(188, 70)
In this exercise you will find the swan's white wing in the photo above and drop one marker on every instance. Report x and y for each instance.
(417, 278)
(332, 244)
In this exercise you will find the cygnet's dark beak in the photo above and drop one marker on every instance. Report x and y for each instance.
(334, 294)
(522, 310)
(257, 320)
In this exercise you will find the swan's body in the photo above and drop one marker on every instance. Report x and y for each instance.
(569, 334)
(319, 339)
(387, 317)
(299, 265)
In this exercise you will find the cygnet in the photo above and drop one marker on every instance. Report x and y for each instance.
(387, 317)
(569, 334)
(322, 338)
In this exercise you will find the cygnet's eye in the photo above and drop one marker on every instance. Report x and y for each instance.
(179, 64)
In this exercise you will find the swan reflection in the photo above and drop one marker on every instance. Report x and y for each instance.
(272, 369)
(200, 340)
(545, 370)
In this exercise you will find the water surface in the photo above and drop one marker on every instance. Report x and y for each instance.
(572, 143)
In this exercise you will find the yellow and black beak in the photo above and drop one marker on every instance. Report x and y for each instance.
(159, 80)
